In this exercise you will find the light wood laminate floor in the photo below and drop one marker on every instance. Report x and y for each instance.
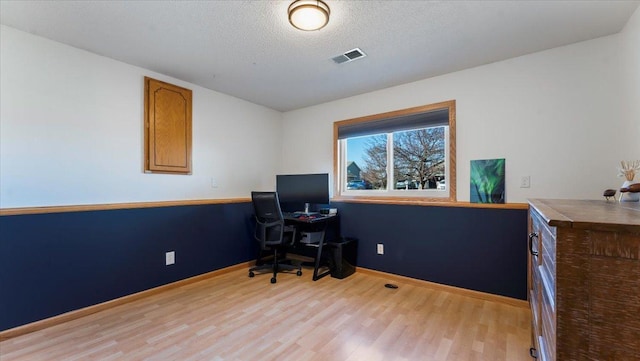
(234, 317)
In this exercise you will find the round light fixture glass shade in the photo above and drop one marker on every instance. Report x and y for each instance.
(308, 15)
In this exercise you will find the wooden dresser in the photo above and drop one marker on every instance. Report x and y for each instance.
(584, 279)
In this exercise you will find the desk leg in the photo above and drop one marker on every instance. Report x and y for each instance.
(317, 276)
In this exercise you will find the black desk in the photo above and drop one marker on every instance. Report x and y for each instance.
(313, 223)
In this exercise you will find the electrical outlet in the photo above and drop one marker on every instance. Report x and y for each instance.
(170, 258)
(214, 182)
(525, 182)
(380, 248)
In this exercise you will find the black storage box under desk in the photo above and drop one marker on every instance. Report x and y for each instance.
(343, 257)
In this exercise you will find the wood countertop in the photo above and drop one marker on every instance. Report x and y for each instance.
(590, 214)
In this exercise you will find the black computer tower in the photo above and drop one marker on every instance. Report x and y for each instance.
(344, 257)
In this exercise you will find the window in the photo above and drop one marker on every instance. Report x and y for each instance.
(408, 154)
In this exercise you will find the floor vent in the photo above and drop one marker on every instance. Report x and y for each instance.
(350, 55)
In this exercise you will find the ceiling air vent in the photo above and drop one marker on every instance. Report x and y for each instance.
(350, 55)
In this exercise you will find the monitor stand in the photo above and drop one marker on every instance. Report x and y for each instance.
(306, 211)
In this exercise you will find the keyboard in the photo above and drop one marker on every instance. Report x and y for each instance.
(312, 215)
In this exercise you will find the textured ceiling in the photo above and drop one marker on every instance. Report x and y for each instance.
(248, 49)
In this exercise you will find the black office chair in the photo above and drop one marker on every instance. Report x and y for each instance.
(271, 232)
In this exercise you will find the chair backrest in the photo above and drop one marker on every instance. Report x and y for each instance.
(266, 206)
(269, 219)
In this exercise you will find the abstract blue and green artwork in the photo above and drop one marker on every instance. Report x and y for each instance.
(487, 181)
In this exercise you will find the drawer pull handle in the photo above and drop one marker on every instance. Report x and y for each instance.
(532, 235)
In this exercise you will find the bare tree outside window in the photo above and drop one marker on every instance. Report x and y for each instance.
(418, 160)
(375, 161)
(419, 157)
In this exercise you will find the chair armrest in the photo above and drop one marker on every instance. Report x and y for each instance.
(268, 224)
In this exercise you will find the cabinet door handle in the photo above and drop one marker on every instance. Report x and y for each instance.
(532, 235)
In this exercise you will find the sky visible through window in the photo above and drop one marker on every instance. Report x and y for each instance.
(355, 150)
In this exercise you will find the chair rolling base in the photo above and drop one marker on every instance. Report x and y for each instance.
(276, 267)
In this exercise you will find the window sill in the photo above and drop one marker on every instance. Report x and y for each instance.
(429, 202)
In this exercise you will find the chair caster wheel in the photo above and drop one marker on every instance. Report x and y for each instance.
(251, 274)
(299, 273)
(273, 280)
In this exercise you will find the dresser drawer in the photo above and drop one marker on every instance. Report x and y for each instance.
(535, 300)
(548, 322)
(544, 243)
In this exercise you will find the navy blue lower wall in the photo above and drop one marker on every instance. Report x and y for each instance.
(58, 262)
(482, 249)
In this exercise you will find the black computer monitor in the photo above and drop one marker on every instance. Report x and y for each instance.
(295, 190)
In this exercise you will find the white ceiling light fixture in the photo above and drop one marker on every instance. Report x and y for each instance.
(309, 15)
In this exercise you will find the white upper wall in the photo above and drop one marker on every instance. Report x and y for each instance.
(71, 132)
(565, 116)
(71, 125)
(630, 38)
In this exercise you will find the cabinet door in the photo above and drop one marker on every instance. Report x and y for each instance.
(167, 128)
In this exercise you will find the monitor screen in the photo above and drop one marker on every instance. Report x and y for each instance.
(303, 188)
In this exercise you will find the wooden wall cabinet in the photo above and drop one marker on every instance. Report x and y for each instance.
(167, 128)
(584, 279)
